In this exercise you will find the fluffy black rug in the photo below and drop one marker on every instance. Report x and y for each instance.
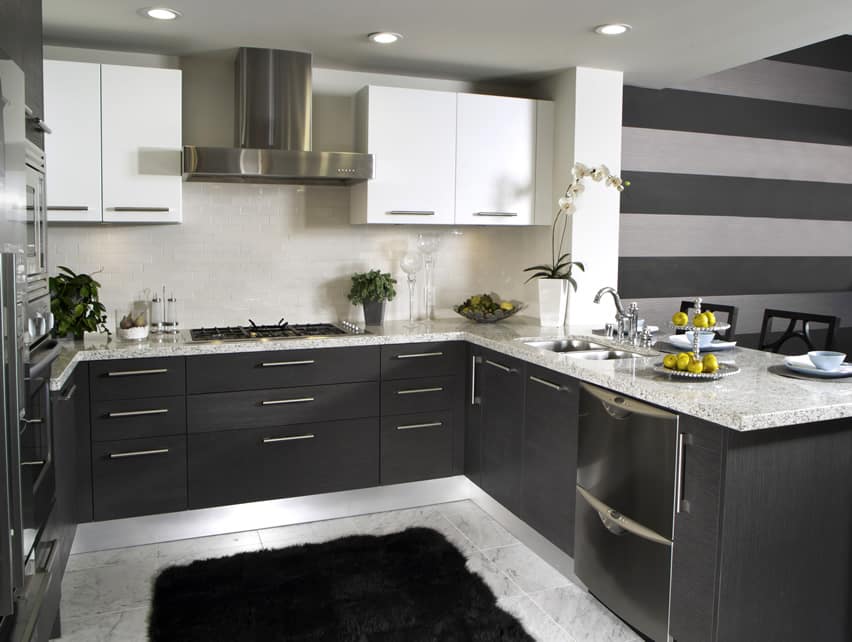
(410, 586)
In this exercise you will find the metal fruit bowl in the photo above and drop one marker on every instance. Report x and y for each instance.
(490, 317)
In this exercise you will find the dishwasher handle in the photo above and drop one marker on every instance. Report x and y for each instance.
(620, 406)
(616, 523)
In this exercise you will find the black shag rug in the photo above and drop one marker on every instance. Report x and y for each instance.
(410, 586)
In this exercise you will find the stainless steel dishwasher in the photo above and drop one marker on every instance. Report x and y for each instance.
(626, 472)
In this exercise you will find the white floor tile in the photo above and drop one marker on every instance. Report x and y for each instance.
(124, 626)
(536, 622)
(586, 619)
(525, 568)
(107, 589)
(476, 525)
(131, 555)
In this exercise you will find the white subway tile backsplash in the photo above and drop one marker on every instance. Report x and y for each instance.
(268, 252)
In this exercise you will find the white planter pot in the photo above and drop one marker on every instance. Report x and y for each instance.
(553, 295)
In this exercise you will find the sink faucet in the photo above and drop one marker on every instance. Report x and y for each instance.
(627, 321)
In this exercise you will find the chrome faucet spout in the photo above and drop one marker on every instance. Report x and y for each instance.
(617, 299)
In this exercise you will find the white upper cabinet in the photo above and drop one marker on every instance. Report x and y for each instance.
(72, 106)
(412, 136)
(141, 125)
(454, 159)
(115, 154)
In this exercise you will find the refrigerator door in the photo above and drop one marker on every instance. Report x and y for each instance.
(13, 141)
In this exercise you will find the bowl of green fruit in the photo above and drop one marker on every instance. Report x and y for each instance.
(487, 308)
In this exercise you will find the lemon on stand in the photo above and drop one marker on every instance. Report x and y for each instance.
(701, 320)
(710, 363)
(670, 361)
(711, 319)
(680, 318)
(683, 360)
(695, 366)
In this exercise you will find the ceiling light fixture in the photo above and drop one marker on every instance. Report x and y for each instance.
(612, 29)
(160, 13)
(384, 37)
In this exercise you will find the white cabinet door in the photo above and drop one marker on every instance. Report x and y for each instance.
(495, 160)
(72, 107)
(412, 136)
(141, 129)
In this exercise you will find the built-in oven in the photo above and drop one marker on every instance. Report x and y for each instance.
(39, 318)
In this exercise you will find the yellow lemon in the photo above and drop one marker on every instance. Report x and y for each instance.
(670, 361)
(680, 318)
(710, 363)
(695, 367)
(711, 318)
(682, 361)
(508, 306)
(700, 320)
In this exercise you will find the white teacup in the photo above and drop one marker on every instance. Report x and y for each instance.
(826, 359)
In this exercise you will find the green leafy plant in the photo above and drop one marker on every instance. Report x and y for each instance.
(561, 266)
(75, 304)
(372, 286)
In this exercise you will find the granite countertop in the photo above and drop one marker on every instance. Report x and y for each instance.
(753, 399)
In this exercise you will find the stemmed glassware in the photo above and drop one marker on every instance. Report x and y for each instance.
(428, 245)
(411, 263)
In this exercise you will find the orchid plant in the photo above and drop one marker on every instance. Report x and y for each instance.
(561, 265)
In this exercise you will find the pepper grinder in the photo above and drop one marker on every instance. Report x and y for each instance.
(171, 322)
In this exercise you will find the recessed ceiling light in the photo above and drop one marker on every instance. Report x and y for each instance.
(612, 30)
(384, 37)
(159, 13)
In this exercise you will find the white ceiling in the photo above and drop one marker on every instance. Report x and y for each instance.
(671, 41)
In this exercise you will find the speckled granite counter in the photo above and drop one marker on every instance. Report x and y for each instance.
(754, 399)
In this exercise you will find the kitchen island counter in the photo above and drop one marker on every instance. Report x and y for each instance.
(753, 399)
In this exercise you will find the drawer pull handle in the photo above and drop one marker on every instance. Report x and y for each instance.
(419, 355)
(275, 440)
(279, 402)
(495, 213)
(68, 208)
(32, 421)
(276, 364)
(138, 413)
(417, 391)
(136, 373)
(411, 212)
(433, 424)
(139, 453)
(547, 383)
(141, 209)
(500, 366)
(69, 393)
(39, 462)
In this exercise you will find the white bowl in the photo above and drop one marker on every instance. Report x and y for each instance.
(133, 334)
(826, 359)
(704, 338)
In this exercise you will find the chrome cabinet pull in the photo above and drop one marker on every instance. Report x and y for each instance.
(475, 360)
(69, 393)
(500, 366)
(32, 421)
(139, 453)
(681, 504)
(136, 373)
(411, 212)
(417, 391)
(547, 383)
(68, 208)
(275, 440)
(138, 413)
(140, 209)
(495, 213)
(419, 355)
(39, 462)
(432, 424)
(278, 364)
(278, 402)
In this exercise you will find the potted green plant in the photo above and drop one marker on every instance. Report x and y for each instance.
(371, 289)
(556, 276)
(75, 304)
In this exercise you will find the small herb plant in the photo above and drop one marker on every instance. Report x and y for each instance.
(75, 304)
(372, 286)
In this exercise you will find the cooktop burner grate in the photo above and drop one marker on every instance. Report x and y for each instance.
(255, 332)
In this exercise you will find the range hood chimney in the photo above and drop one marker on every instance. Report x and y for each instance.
(273, 129)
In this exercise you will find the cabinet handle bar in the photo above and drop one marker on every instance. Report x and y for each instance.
(411, 213)
(418, 355)
(275, 440)
(547, 383)
(135, 373)
(139, 453)
(279, 402)
(141, 209)
(69, 393)
(68, 208)
(417, 391)
(504, 214)
(499, 365)
(138, 413)
(277, 364)
(432, 424)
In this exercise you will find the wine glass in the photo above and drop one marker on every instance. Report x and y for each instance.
(428, 245)
(411, 263)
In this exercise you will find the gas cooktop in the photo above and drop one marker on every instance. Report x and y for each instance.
(282, 330)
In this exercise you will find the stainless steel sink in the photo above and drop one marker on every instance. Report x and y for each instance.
(566, 345)
(603, 355)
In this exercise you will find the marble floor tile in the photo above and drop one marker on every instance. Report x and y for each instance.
(586, 619)
(497, 580)
(428, 517)
(97, 559)
(526, 569)
(476, 525)
(182, 557)
(536, 622)
(107, 589)
(308, 533)
(124, 626)
(188, 546)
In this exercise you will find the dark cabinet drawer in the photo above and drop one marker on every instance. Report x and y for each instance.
(282, 368)
(137, 378)
(139, 477)
(411, 360)
(137, 418)
(269, 463)
(417, 446)
(400, 396)
(281, 406)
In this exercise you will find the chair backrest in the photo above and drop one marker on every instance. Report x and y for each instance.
(803, 332)
(730, 312)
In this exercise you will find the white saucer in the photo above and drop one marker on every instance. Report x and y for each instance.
(802, 364)
(680, 341)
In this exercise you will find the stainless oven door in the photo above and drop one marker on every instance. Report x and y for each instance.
(36, 252)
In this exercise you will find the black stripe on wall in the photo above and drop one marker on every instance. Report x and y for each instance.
(830, 54)
(693, 111)
(686, 276)
(662, 193)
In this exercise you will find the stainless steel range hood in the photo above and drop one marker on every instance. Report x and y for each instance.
(273, 130)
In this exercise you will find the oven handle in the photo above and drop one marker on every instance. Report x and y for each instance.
(608, 514)
(42, 366)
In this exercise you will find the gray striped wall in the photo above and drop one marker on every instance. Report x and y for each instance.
(742, 190)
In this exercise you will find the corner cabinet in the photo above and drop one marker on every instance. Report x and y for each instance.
(443, 158)
(114, 156)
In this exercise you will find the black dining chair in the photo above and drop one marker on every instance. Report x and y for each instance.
(730, 312)
(798, 327)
